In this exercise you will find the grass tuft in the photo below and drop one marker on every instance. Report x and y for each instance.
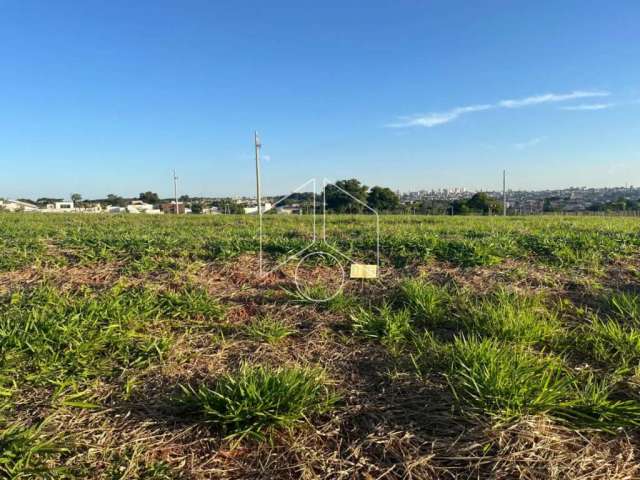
(610, 343)
(391, 327)
(48, 337)
(428, 303)
(190, 303)
(508, 316)
(255, 400)
(269, 329)
(508, 382)
(626, 307)
(323, 297)
(593, 406)
(25, 452)
(505, 382)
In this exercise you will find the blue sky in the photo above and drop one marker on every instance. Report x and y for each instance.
(102, 97)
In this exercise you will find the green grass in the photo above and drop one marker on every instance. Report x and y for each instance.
(145, 244)
(25, 452)
(429, 304)
(501, 314)
(626, 307)
(510, 382)
(467, 253)
(505, 382)
(610, 342)
(268, 329)
(323, 297)
(593, 404)
(391, 327)
(67, 348)
(512, 317)
(53, 337)
(254, 401)
(190, 303)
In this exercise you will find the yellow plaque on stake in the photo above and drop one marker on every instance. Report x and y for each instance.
(359, 270)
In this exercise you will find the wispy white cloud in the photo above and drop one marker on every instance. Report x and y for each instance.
(439, 118)
(588, 106)
(550, 98)
(529, 143)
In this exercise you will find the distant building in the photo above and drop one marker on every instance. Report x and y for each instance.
(254, 209)
(95, 208)
(138, 206)
(115, 209)
(211, 211)
(59, 207)
(17, 206)
(289, 210)
(170, 208)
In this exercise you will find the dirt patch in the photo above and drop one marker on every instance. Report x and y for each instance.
(64, 278)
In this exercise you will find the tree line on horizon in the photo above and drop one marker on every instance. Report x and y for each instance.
(353, 197)
(348, 196)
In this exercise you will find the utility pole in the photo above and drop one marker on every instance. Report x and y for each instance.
(175, 190)
(504, 193)
(258, 193)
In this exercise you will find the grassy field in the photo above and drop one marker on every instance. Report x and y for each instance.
(139, 347)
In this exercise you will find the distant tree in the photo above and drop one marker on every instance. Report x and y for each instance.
(382, 199)
(76, 197)
(305, 198)
(45, 200)
(481, 202)
(116, 200)
(149, 197)
(341, 202)
(620, 205)
(547, 206)
(460, 207)
(196, 208)
(184, 198)
(434, 207)
(229, 206)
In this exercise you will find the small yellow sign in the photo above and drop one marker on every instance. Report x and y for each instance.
(359, 270)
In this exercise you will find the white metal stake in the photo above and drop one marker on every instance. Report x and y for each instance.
(258, 195)
(504, 193)
(175, 191)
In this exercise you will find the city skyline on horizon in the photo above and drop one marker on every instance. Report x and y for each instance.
(451, 189)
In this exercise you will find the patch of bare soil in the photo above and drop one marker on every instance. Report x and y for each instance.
(536, 448)
(64, 278)
(515, 274)
(624, 275)
(13, 280)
